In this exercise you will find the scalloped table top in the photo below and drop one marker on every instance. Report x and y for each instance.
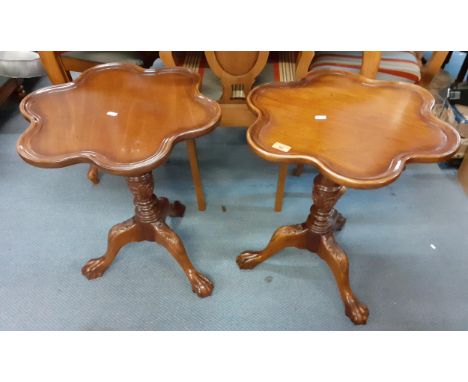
(120, 117)
(358, 132)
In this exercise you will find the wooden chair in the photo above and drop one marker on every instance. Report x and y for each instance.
(393, 66)
(58, 66)
(237, 72)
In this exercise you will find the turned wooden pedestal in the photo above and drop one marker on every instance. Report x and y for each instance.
(316, 235)
(149, 224)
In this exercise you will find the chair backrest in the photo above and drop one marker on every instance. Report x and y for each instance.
(237, 72)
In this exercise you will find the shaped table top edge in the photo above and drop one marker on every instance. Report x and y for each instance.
(396, 166)
(126, 169)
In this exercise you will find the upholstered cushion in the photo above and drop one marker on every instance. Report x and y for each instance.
(106, 57)
(3, 80)
(280, 67)
(394, 66)
(20, 64)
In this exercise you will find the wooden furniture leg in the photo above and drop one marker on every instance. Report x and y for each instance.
(298, 170)
(192, 154)
(20, 89)
(93, 174)
(148, 223)
(316, 235)
(283, 171)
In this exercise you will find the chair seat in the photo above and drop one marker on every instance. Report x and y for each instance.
(394, 66)
(106, 57)
(20, 64)
(280, 67)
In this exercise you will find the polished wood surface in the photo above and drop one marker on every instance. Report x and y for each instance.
(125, 120)
(58, 68)
(369, 68)
(120, 117)
(357, 132)
(372, 128)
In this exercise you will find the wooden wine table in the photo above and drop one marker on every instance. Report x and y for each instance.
(125, 120)
(358, 133)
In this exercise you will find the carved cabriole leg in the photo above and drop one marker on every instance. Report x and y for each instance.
(316, 235)
(119, 235)
(149, 224)
(166, 237)
(322, 221)
(287, 236)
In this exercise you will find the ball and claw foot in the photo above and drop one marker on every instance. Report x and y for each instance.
(200, 284)
(356, 311)
(248, 259)
(94, 268)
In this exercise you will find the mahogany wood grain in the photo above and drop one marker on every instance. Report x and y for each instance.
(370, 67)
(121, 117)
(362, 143)
(358, 141)
(125, 120)
(58, 68)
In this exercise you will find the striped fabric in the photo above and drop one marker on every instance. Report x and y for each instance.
(281, 66)
(394, 66)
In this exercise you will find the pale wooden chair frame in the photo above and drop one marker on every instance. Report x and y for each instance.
(234, 111)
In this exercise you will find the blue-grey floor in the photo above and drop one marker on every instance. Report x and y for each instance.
(407, 243)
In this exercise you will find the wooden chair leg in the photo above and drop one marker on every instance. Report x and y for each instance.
(298, 170)
(283, 170)
(192, 153)
(20, 89)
